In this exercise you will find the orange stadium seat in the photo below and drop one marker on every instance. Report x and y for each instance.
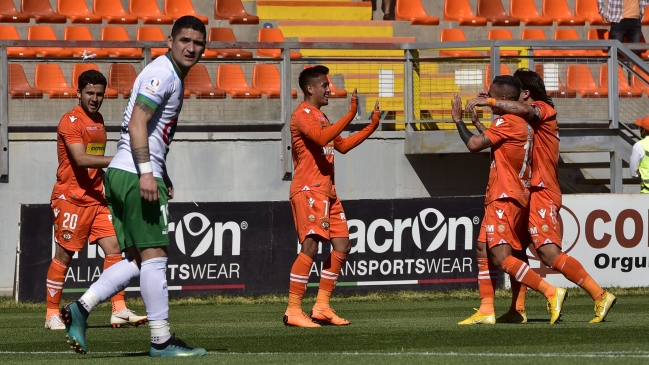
(456, 35)
(46, 33)
(234, 12)
(230, 78)
(504, 34)
(559, 11)
(597, 35)
(273, 35)
(588, 10)
(414, 12)
(623, 87)
(526, 11)
(118, 33)
(152, 34)
(571, 35)
(77, 11)
(504, 70)
(10, 33)
(494, 12)
(334, 92)
(460, 11)
(580, 80)
(266, 78)
(637, 83)
(9, 14)
(49, 78)
(645, 18)
(148, 12)
(539, 35)
(554, 91)
(121, 77)
(224, 35)
(113, 12)
(80, 68)
(199, 83)
(19, 87)
(178, 8)
(82, 33)
(41, 11)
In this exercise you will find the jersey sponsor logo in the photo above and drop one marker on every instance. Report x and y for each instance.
(499, 121)
(307, 110)
(72, 118)
(92, 128)
(212, 233)
(489, 228)
(327, 150)
(542, 213)
(500, 213)
(96, 149)
(534, 231)
(311, 217)
(545, 228)
(342, 217)
(153, 85)
(501, 228)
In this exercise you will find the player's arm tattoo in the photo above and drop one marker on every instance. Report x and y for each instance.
(143, 107)
(141, 154)
(464, 132)
(506, 106)
(480, 127)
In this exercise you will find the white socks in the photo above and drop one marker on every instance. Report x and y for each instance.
(112, 281)
(153, 287)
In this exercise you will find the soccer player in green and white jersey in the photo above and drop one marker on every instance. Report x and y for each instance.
(137, 190)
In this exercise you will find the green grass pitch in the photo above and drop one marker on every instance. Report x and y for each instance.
(387, 328)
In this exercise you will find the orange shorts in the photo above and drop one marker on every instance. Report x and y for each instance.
(501, 223)
(544, 225)
(318, 214)
(75, 225)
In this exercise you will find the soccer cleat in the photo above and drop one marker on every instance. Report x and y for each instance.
(603, 306)
(513, 316)
(75, 327)
(176, 348)
(298, 318)
(327, 316)
(54, 323)
(126, 316)
(556, 303)
(479, 318)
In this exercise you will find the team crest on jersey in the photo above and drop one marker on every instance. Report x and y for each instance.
(545, 228)
(542, 213)
(501, 228)
(153, 85)
(72, 118)
(67, 235)
(500, 213)
(311, 217)
(324, 223)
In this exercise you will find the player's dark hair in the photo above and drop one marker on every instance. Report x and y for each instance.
(92, 77)
(509, 85)
(533, 82)
(310, 75)
(188, 22)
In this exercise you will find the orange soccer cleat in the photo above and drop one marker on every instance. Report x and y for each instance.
(297, 318)
(327, 316)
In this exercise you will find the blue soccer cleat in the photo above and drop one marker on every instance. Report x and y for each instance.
(75, 327)
(176, 348)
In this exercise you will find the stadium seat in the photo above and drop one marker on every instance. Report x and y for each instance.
(233, 11)
(526, 11)
(178, 8)
(118, 33)
(571, 35)
(152, 34)
(460, 11)
(539, 35)
(334, 92)
(637, 83)
(49, 79)
(624, 89)
(504, 34)
(82, 33)
(456, 35)
(77, 11)
(80, 68)
(645, 17)
(266, 78)
(46, 33)
(414, 12)
(113, 12)
(554, 86)
(494, 12)
(9, 33)
(121, 77)
(504, 70)
(597, 35)
(9, 14)
(41, 11)
(224, 35)
(273, 35)
(559, 11)
(580, 80)
(19, 87)
(230, 78)
(588, 10)
(148, 12)
(199, 83)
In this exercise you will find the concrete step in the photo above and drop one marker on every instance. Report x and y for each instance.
(313, 10)
(335, 28)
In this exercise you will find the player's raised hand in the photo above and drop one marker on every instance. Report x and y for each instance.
(476, 121)
(483, 94)
(354, 102)
(456, 108)
(479, 101)
(376, 114)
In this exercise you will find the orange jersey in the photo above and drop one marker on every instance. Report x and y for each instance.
(80, 186)
(545, 172)
(510, 172)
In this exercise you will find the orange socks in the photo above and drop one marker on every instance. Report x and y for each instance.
(117, 300)
(54, 286)
(299, 279)
(487, 277)
(329, 277)
(518, 295)
(575, 272)
(522, 273)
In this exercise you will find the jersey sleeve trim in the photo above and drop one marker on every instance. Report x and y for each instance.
(146, 101)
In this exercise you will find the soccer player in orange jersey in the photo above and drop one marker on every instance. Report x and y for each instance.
(79, 207)
(317, 211)
(545, 196)
(507, 198)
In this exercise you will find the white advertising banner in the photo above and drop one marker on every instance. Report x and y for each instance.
(608, 234)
